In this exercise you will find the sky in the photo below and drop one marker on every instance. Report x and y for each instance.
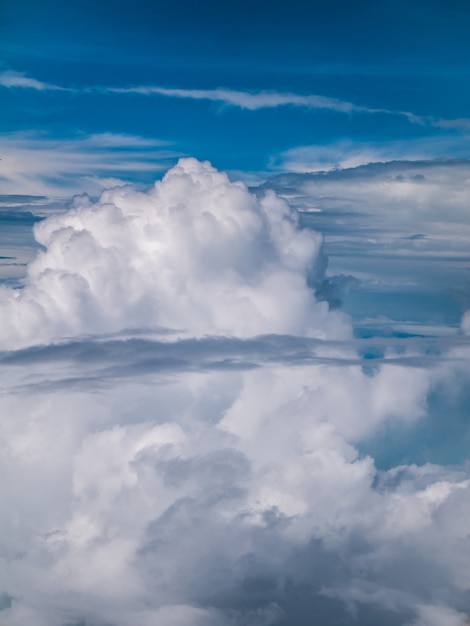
(241, 84)
(234, 313)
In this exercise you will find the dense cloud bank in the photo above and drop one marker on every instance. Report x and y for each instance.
(404, 223)
(165, 465)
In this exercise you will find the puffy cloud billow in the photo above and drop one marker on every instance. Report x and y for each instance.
(196, 254)
(203, 481)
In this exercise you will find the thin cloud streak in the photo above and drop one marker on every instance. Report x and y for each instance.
(11, 79)
(247, 100)
(102, 360)
(253, 101)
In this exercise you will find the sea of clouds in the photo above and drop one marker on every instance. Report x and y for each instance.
(182, 420)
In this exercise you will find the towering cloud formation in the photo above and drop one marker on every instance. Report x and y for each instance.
(232, 494)
(196, 253)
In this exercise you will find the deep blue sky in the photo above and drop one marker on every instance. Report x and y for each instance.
(400, 56)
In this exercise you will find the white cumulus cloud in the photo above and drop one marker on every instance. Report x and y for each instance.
(195, 253)
(193, 490)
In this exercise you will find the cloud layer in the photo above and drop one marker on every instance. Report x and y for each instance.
(211, 476)
(403, 224)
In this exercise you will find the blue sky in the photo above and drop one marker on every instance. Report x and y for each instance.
(387, 56)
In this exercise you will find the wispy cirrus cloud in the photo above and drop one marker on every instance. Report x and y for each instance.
(253, 101)
(38, 164)
(9, 78)
(247, 100)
